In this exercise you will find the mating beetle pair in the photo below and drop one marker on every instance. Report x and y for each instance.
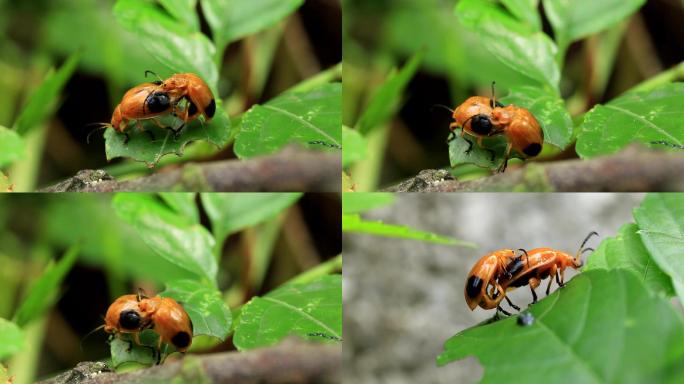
(482, 117)
(506, 269)
(148, 101)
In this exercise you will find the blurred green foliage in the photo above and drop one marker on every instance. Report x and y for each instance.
(467, 44)
(175, 241)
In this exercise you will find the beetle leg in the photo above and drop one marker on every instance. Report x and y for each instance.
(552, 273)
(560, 279)
(506, 157)
(127, 137)
(451, 136)
(492, 153)
(511, 303)
(534, 283)
(470, 145)
(499, 309)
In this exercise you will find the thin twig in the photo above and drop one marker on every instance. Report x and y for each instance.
(292, 361)
(635, 169)
(292, 169)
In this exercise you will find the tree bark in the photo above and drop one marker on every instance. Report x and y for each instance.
(635, 169)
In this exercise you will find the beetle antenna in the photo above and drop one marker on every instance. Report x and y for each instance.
(526, 256)
(493, 101)
(441, 106)
(581, 248)
(154, 73)
(141, 294)
(101, 127)
(90, 333)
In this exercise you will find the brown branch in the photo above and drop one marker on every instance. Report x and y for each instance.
(292, 169)
(634, 169)
(292, 361)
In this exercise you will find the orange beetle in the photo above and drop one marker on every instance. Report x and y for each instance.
(135, 313)
(124, 316)
(169, 320)
(195, 91)
(540, 263)
(482, 287)
(522, 130)
(473, 116)
(143, 102)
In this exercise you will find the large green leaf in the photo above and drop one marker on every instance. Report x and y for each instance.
(184, 11)
(627, 251)
(173, 44)
(209, 315)
(12, 146)
(513, 43)
(311, 310)
(634, 117)
(661, 222)
(176, 238)
(311, 118)
(353, 147)
(387, 97)
(603, 327)
(43, 100)
(525, 11)
(354, 223)
(45, 290)
(361, 202)
(11, 339)
(105, 240)
(231, 20)
(548, 108)
(232, 212)
(141, 147)
(183, 203)
(573, 20)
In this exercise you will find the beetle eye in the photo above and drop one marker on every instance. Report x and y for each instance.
(129, 319)
(481, 124)
(158, 102)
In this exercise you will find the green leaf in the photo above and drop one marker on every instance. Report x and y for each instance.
(573, 20)
(514, 44)
(362, 202)
(465, 150)
(386, 99)
(232, 212)
(124, 350)
(184, 11)
(353, 148)
(42, 102)
(231, 20)
(354, 223)
(525, 11)
(44, 292)
(661, 222)
(548, 108)
(141, 147)
(105, 240)
(312, 311)
(173, 44)
(11, 339)
(12, 146)
(209, 315)
(634, 117)
(183, 203)
(176, 238)
(312, 119)
(603, 327)
(627, 251)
